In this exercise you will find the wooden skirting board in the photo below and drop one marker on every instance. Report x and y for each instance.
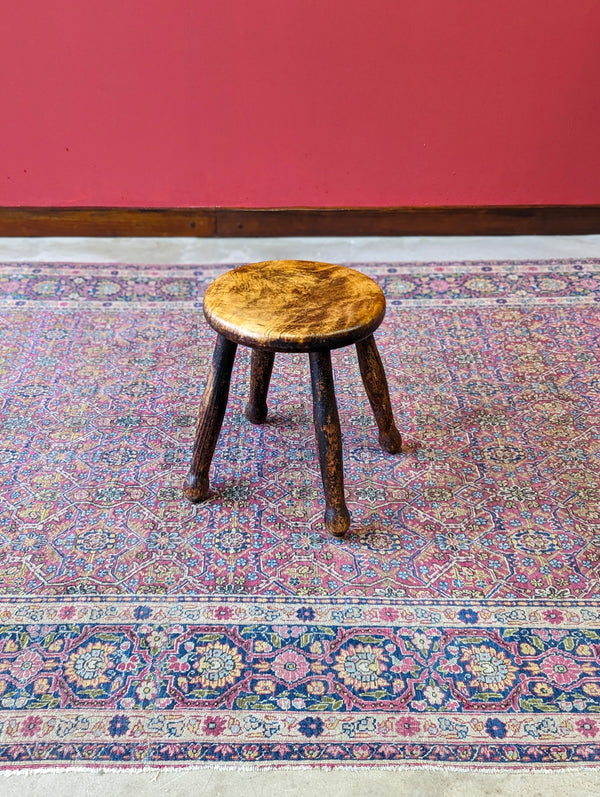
(271, 222)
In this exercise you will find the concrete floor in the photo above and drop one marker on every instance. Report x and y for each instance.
(303, 782)
(438, 782)
(237, 250)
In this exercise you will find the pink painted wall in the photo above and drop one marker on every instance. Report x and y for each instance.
(274, 103)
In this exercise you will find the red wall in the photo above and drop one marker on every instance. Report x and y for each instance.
(266, 103)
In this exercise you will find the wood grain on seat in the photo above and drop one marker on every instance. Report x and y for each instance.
(294, 305)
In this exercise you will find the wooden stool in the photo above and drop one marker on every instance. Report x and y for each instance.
(293, 306)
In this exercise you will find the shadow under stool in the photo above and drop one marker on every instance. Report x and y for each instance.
(293, 306)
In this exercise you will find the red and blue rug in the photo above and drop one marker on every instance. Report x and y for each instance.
(457, 622)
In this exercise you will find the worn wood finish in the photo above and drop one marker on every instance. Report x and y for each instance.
(210, 419)
(329, 442)
(260, 377)
(375, 382)
(251, 222)
(294, 305)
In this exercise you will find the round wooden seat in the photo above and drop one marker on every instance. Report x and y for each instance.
(294, 305)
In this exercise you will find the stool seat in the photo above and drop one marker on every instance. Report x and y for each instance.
(294, 305)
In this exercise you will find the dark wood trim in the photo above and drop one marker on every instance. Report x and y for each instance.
(270, 222)
(106, 222)
(488, 220)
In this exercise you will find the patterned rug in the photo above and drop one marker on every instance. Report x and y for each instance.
(457, 622)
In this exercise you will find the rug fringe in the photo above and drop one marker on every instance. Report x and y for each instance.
(220, 766)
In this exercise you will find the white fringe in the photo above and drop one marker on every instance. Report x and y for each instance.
(29, 770)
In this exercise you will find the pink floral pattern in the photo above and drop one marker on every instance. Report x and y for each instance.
(290, 666)
(560, 669)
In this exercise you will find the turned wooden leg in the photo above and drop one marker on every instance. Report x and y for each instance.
(260, 376)
(375, 383)
(329, 442)
(210, 419)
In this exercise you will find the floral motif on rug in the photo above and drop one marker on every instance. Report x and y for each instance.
(459, 619)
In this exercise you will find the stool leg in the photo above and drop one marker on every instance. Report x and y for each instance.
(210, 419)
(329, 442)
(373, 376)
(260, 376)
